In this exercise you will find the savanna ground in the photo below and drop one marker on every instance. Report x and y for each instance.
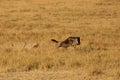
(97, 22)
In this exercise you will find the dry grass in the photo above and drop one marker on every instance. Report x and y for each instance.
(37, 21)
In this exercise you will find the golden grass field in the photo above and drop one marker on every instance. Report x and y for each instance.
(97, 22)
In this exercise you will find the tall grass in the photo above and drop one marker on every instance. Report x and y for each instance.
(96, 22)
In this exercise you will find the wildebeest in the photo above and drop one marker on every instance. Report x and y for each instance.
(70, 41)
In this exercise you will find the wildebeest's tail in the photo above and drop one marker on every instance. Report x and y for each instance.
(54, 40)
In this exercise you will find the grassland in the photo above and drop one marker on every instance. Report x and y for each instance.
(97, 22)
